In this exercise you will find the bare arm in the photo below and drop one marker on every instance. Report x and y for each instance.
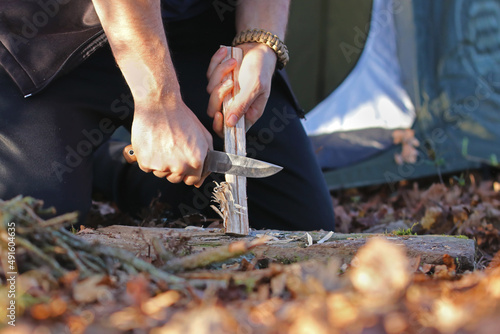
(258, 65)
(263, 14)
(135, 33)
(167, 137)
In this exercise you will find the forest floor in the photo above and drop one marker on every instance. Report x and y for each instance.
(63, 285)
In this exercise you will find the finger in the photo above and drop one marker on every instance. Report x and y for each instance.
(139, 163)
(210, 141)
(218, 125)
(191, 180)
(161, 175)
(255, 111)
(238, 108)
(248, 125)
(143, 168)
(217, 58)
(217, 97)
(202, 179)
(175, 178)
(219, 73)
(251, 107)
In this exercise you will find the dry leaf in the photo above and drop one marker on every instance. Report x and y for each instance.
(104, 208)
(344, 218)
(160, 302)
(91, 289)
(407, 139)
(381, 270)
(432, 214)
(449, 262)
(435, 193)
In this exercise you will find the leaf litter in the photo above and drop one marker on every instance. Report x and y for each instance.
(87, 288)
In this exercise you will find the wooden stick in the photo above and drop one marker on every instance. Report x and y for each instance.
(209, 256)
(235, 143)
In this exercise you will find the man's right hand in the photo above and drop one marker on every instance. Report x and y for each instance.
(167, 137)
(170, 141)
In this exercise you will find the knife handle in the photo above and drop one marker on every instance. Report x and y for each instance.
(128, 154)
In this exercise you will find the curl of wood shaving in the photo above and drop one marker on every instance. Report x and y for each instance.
(223, 196)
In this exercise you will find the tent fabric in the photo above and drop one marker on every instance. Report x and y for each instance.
(458, 94)
(372, 97)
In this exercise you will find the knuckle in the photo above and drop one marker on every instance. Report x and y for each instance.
(178, 170)
(196, 162)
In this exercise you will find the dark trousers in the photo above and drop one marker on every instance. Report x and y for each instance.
(55, 145)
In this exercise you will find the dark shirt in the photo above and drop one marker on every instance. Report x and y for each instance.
(176, 10)
(40, 40)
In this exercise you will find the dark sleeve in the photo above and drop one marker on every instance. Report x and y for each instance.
(44, 39)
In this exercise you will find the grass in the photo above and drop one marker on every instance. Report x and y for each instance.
(405, 231)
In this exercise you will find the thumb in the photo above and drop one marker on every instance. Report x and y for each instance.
(237, 109)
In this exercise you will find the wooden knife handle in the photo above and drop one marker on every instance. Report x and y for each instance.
(128, 154)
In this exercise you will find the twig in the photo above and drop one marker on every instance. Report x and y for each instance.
(73, 257)
(219, 254)
(63, 220)
(94, 263)
(127, 257)
(45, 258)
(129, 269)
(160, 250)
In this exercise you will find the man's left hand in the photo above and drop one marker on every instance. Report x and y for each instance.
(255, 75)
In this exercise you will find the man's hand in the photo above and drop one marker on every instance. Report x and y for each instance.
(255, 75)
(170, 141)
(257, 68)
(167, 137)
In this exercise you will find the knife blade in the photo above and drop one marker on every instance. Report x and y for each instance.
(226, 163)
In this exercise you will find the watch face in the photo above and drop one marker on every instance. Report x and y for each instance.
(477, 24)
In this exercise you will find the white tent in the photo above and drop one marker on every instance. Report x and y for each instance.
(372, 96)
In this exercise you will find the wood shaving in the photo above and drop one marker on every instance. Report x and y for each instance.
(223, 196)
(309, 240)
(326, 237)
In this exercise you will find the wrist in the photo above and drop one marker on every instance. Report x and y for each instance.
(267, 39)
(151, 78)
(159, 103)
(149, 87)
(267, 56)
(262, 48)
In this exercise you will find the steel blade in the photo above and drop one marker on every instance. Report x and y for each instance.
(226, 163)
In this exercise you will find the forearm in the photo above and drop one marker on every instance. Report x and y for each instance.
(135, 32)
(270, 15)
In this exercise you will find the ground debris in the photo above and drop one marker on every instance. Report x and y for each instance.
(381, 291)
(464, 206)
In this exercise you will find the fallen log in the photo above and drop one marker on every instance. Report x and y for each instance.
(290, 247)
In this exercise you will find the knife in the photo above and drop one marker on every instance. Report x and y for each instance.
(226, 163)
